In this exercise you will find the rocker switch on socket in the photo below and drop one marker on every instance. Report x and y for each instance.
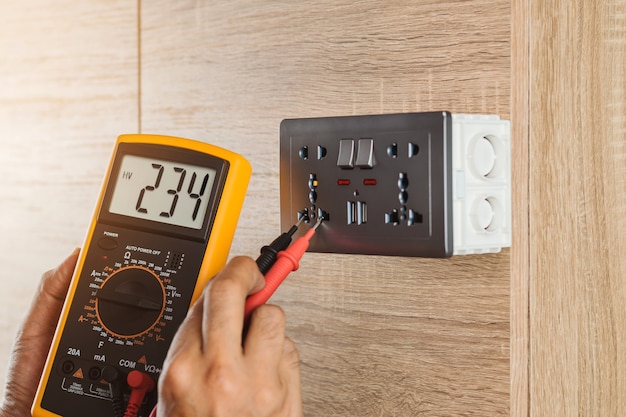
(346, 154)
(365, 153)
(412, 184)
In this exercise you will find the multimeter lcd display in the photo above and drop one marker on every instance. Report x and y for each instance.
(162, 191)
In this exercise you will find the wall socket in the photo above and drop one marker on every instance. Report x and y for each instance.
(413, 184)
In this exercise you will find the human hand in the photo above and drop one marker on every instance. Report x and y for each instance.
(33, 339)
(209, 373)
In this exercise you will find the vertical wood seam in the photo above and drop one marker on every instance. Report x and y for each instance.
(520, 251)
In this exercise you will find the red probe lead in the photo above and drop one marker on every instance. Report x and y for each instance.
(140, 383)
(286, 262)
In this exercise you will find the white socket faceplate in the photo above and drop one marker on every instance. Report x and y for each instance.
(481, 183)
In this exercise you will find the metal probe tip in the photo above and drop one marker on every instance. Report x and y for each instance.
(319, 222)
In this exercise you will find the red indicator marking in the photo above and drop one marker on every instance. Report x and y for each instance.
(343, 182)
(370, 181)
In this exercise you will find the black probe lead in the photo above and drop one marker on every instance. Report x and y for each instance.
(269, 252)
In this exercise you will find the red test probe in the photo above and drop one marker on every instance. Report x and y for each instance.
(286, 262)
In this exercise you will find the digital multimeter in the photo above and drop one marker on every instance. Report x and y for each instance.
(162, 228)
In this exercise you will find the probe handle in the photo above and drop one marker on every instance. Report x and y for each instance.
(288, 261)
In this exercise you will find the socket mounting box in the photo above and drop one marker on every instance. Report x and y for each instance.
(412, 184)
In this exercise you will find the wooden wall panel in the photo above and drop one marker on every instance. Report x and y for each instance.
(578, 208)
(68, 87)
(378, 335)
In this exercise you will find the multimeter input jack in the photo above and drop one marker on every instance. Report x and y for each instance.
(95, 373)
(68, 367)
(117, 384)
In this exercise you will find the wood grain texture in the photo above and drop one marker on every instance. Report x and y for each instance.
(578, 208)
(68, 87)
(520, 248)
(378, 336)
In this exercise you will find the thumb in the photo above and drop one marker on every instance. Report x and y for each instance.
(35, 336)
(54, 283)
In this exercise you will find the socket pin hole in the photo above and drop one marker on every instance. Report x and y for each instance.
(393, 217)
(313, 182)
(323, 214)
(403, 181)
(414, 217)
(392, 150)
(312, 197)
(304, 152)
(304, 214)
(403, 197)
(413, 150)
(321, 152)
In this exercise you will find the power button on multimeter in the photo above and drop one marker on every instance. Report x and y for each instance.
(107, 243)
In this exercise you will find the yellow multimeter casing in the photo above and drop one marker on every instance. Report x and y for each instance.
(162, 227)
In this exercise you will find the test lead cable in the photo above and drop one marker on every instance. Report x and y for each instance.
(286, 262)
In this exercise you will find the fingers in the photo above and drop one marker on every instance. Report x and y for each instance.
(215, 321)
(55, 282)
(48, 301)
(273, 361)
(290, 376)
(207, 372)
(266, 336)
(224, 302)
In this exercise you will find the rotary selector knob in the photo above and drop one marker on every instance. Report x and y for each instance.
(130, 301)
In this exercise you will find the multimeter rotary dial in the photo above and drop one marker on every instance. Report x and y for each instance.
(130, 301)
